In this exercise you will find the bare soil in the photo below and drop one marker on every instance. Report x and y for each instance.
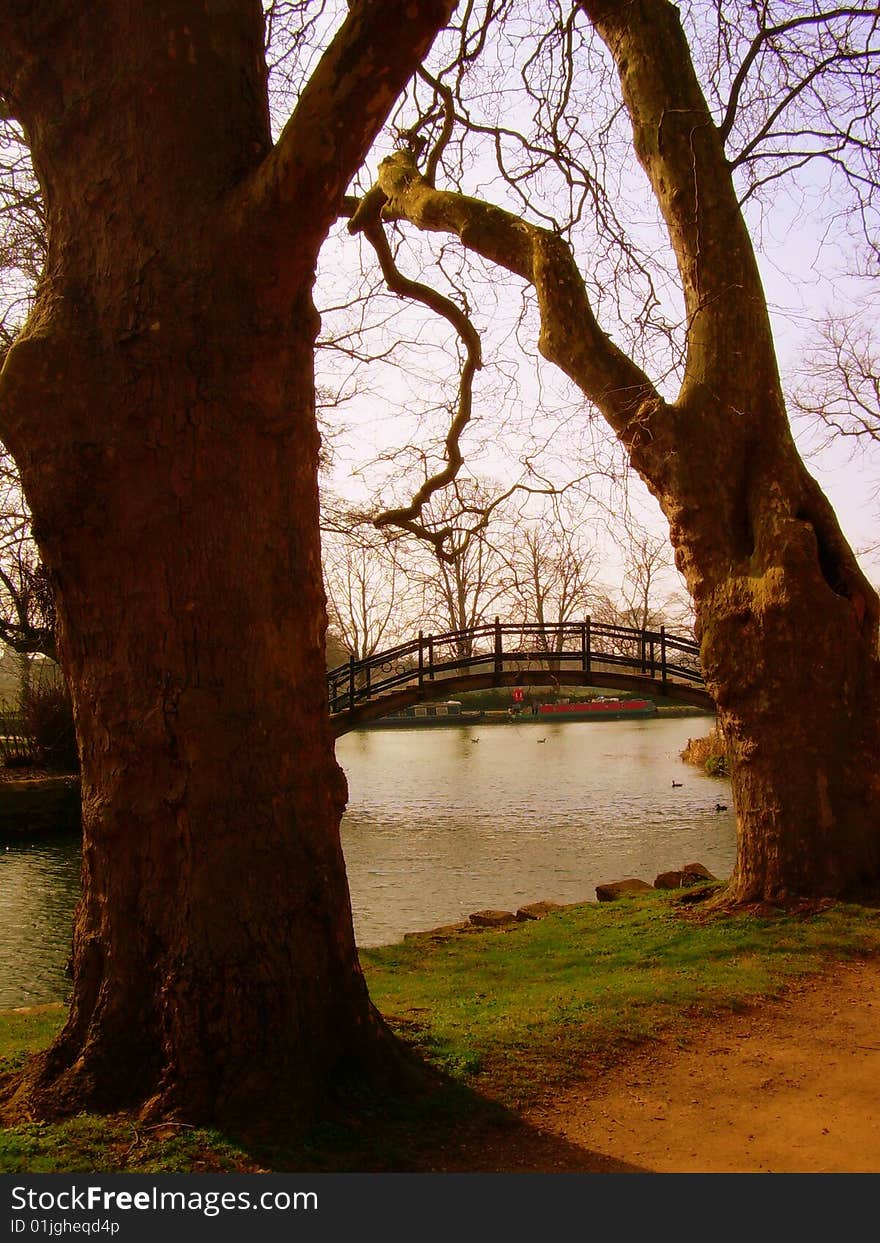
(790, 1085)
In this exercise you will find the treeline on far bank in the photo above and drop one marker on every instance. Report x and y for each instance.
(499, 698)
(36, 723)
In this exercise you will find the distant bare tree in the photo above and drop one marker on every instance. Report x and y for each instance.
(366, 592)
(22, 232)
(27, 603)
(464, 582)
(647, 561)
(27, 599)
(643, 599)
(839, 385)
(551, 567)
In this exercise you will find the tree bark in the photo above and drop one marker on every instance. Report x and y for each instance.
(160, 406)
(788, 623)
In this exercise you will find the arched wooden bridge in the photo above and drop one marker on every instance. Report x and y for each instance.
(436, 666)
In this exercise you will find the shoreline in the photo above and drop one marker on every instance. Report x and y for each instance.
(499, 716)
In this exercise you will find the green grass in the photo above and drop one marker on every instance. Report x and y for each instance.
(86, 1144)
(506, 1014)
(23, 1031)
(524, 1008)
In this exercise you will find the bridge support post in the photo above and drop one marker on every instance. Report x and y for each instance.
(431, 657)
(421, 659)
(585, 646)
(499, 651)
(351, 681)
(663, 655)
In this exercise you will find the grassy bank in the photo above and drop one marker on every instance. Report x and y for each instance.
(709, 753)
(507, 1016)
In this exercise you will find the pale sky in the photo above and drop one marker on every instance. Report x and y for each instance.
(801, 272)
(804, 252)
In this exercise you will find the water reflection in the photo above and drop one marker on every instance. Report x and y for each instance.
(39, 888)
(439, 825)
(443, 822)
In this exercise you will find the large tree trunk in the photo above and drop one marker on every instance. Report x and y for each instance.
(789, 646)
(160, 405)
(788, 623)
(214, 957)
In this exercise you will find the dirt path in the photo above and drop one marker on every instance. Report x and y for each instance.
(789, 1086)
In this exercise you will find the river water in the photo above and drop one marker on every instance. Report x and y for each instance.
(445, 821)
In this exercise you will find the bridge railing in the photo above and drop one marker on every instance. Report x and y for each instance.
(496, 647)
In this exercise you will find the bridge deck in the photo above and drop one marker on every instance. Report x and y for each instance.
(572, 654)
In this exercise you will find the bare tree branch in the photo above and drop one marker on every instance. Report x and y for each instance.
(616, 385)
(340, 110)
(764, 37)
(406, 516)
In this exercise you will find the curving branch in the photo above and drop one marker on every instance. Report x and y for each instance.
(446, 129)
(366, 221)
(570, 334)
